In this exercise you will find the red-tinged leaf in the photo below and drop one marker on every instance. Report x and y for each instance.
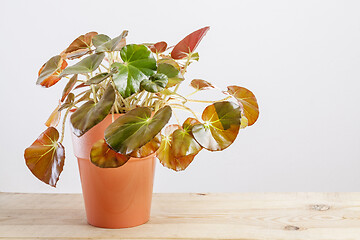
(247, 101)
(183, 143)
(45, 157)
(50, 71)
(166, 153)
(91, 113)
(69, 86)
(103, 156)
(68, 103)
(54, 118)
(120, 45)
(158, 47)
(178, 146)
(114, 44)
(220, 128)
(81, 85)
(148, 149)
(188, 44)
(80, 46)
(200, 84)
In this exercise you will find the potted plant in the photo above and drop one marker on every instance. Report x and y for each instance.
(120, 98)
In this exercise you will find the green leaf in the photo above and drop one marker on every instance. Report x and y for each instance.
(100, 39)
(136, 128)
(86, 65)
(91, 113)
(113, 44)
(247, 101)
(103, 156)
(172, 70)
(155, 83)
(45, 157)
(222, 123)
(98, 78)
(194, 56)
(139, 64)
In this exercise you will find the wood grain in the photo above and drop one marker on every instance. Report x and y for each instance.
(250, 216)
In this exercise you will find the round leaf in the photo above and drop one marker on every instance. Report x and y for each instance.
(172, 70)
(86, 65)
(139, 64)
(158, 47)
(50, 71)
(155, 83)
(136, 128)
(200, 84)
(45, 157)
(183, 142)
(248, 102)
(188, 44)
(80, 46)
(103, 156)
(169, 61)
(222, 123)
(91, 113)
(166, 153)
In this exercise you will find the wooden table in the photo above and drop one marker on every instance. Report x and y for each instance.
(191, 216)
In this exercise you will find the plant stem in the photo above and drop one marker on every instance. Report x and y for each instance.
(186, 64)
(104, 67)
(94, 93)
(192, 93)
(176, 88)
(202, 101)
(63, 124)
(177, 119)
(81, 93)
(139, 98)
(182, 107)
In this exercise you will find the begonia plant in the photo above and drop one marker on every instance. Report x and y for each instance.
(140, 82)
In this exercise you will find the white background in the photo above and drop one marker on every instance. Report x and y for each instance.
(300, 58)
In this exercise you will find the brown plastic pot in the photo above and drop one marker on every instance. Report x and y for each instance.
(114, 197)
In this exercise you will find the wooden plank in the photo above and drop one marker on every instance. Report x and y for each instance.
(250, 216)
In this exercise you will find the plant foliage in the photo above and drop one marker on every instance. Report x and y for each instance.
(140, 82)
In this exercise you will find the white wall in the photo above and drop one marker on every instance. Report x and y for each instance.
(300, 58)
